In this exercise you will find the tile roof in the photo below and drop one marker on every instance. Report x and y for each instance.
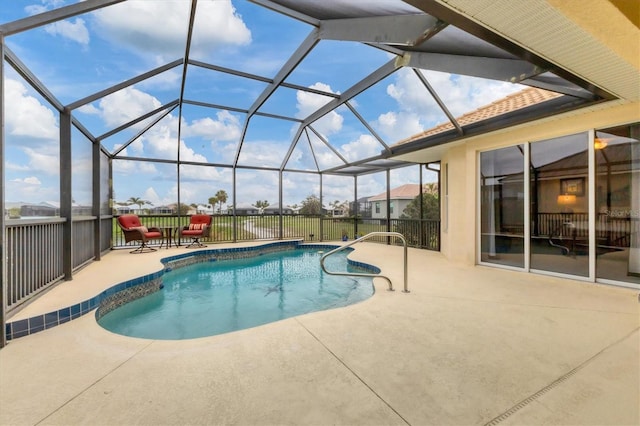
(408, 192)
(525, 98)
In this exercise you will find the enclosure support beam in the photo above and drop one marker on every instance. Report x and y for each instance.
(235, 202)
(96, 199)
(54, 15)
(111, 200)
(3, 239)
(388, 204)
(422, 242)
(65, 192)
(281, 234)
(355, 205)
(30, 78)
(321, 216)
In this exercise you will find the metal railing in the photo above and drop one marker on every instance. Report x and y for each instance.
(83, 240)
(34, 260)
(227, 228)
(361, 274)
(35, 248)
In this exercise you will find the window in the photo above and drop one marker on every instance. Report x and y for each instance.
(391, 207)
(377, 206)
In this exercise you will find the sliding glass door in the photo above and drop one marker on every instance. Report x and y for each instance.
(559, 206)
(502, 206)
(617, 157)
(537, 212)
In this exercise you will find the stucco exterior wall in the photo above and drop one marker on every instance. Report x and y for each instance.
(398, 209)
(458, 236)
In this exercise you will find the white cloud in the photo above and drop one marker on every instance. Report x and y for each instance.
(395, 126)
(202, 175)
(163, 81)
(226, 127)
(262, 153)
(463, 94)
(126, 105)
(137, 147)
(31, 180)
(134, 168)
(308, 103)
(370, 185)
(89, 109)
(16, 167)
(337, 188)
(188, 154)
(35, 9)
(146, 28)
(75, 31)
(152, 196)
(417, 109)
(45, 5)
(363, 147)
(28, 117)
(409, 92)
(43, 161)
(29, 190)
(160, 140)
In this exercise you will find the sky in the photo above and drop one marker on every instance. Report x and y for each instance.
(86, 54)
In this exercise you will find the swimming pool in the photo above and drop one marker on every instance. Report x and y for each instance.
(215, 297)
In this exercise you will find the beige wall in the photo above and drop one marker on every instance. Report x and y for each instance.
(459, 238)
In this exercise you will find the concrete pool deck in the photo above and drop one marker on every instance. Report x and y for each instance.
(468, 345)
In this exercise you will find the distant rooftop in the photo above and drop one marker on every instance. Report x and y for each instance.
(403, 192)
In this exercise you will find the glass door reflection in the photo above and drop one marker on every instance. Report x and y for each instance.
(617, 157)
(559, 205)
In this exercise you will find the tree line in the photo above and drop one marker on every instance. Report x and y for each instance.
(311, 205)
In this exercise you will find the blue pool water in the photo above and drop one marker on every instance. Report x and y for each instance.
(212, 298)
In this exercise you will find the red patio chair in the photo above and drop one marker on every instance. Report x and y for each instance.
(133, 230)
(199, 227)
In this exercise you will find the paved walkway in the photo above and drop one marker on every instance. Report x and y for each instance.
(467, 346)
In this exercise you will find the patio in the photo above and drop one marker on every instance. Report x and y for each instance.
(474, 345)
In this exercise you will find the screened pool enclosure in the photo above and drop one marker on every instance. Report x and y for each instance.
(281, 119)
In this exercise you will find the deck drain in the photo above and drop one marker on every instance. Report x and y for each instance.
(564, 377)
(533, 397)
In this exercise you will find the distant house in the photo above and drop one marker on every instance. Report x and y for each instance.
(363, 207)
(45, 208)
(245, 209)
(204, 209)
(295, 210)
(119, 209)
(275, 209)
(339, 211)
(399, 199)
(169, 209)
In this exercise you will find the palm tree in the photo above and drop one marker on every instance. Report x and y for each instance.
(261, 205)
(221, 196)
(139, 202)
(212, 202)
(334, 206)
(431, 188)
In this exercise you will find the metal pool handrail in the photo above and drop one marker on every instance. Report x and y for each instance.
(356, 274)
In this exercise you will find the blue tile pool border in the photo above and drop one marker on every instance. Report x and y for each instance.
(124, 292)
